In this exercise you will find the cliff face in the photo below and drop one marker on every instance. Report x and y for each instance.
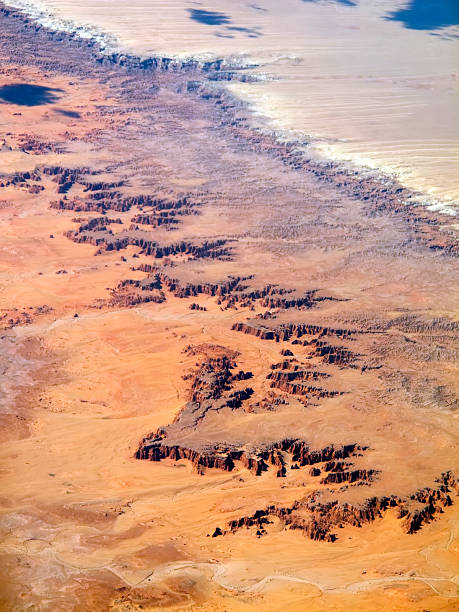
(288, 332)
(160, 213)
(107, 241)
(293, 332)
(291, 378)
(319, 521)
(214, 386)
(292, 454)
(103, 196)
(30, 144)
(332, 468)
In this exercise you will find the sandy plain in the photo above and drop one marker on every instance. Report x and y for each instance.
(94, 364)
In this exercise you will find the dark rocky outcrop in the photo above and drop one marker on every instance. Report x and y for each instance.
(105, 240)
(286, 332)
(14, 317)
(257, 460)
(319, 520)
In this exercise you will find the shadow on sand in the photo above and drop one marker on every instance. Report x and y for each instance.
(428, 14)
(28, 95)
(345, 2)
(209, 17)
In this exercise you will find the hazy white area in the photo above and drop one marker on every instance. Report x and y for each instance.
(366, 88)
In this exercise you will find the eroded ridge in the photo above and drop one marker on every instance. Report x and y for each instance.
(318, 520)
(150, 211)
(283, 455)
(216, 385)
(328, 353)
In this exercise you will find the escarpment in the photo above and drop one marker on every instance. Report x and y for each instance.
(279, 455)
(152, 211)
(215, 385)
(319, 520)
(158, 279)
(333, 354)
(184, 290)
(286, 332)
(231, 292)
(237, 291)
(298, 388)
(295, 379)
(383, 195)
(29, 143)
(155, 220)
(328, 353)
(106, 240)
(274, 296)
(102, 196)
(98, 224)
(127, 294)
(425, 504)
(25, 181)
(106, 199)
(339, 475)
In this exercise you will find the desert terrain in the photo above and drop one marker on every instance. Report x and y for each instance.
(229, 369)
(373, 82)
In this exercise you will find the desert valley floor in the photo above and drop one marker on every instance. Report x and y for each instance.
(229, 370)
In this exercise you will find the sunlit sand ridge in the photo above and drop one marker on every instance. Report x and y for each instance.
(370, 81)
